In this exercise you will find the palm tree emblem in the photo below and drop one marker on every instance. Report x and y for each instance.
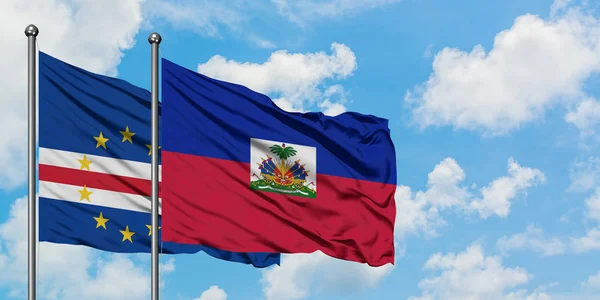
(282, 151)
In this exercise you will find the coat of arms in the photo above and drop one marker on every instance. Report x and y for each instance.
(283, 168)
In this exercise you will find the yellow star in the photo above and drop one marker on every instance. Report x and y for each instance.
(101, 141)
(101, 221)
(85, 194)
(85, 163)
(150, 229)
(127, 234)
(127, 135)
(150, 149)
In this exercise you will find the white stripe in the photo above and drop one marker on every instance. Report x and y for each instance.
(101, 164)
(67, 192)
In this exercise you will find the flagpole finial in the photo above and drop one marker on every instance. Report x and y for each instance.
(154, 38)
(32, 30)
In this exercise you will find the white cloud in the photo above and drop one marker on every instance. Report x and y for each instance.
(593, 205)
(498, 91)
(585, 175)
(419, 211)
(559, 6)
(73, 31)
(497, 195)
(471, 275)
(331, 109)
(301, 11)
(428, 51)
(294, 80)
(524, 295)
(300, 275)
(335, 99)
(591, 241)
(68, 271)
(288, 106)
(167, 267)
(415, 214)
(593, 282)
(532, 239)
(213, 293)
(204, 17)
(261, 42)
(443, 185)
(587, 243)
(214, 18)
(586, 116)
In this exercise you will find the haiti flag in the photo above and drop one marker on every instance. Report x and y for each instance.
(240, 174)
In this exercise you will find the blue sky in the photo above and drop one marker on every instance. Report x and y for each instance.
(493, 112)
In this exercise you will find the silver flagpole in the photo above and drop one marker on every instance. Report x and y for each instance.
(31, 32)
(154, 40)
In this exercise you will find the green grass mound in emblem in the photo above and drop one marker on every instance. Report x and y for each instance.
(303, 191)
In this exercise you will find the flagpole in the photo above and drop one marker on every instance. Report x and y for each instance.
(154, 39)
(31, 32)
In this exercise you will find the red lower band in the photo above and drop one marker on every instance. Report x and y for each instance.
(209, 201)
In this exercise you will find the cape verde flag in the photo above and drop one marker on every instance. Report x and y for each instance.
(241, 174)
(94, 165)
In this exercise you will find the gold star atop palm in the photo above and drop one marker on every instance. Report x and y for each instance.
(85, 163)
(127, 135)
(101, 140)
(127, 234)
(150, 149)
(101, 221)
(150, 229)
(85, 194)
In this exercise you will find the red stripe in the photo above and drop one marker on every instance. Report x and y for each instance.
(96, 180)
(350, 219)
